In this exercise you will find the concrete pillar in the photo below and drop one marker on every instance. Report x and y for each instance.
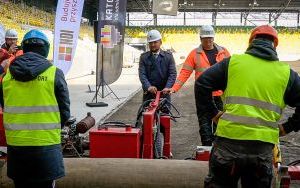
(245, 20)
(155, 19)
(214, 19)
(184, 18)
(298, 19)
(242, 15)
(128, 19)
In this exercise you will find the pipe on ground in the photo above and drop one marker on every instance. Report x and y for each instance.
(133, 173)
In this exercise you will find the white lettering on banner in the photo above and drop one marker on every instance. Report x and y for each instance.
(109, 10)
(117, 7)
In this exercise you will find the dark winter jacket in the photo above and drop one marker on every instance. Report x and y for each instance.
(28, 66)
(215, 78)
(159, 72)
(37, 163)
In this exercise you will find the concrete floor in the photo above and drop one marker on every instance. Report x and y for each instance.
(124, 88)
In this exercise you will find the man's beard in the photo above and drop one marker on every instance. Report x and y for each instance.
(154, 50)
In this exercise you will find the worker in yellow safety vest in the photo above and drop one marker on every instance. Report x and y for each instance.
(35, 99)
(256, 86)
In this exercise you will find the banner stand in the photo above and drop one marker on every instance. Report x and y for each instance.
(109, 32)
(102, 84)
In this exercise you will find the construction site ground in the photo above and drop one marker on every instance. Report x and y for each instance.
(185, 135)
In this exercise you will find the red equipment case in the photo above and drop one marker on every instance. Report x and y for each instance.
(294, 172)
(203, 153)
(111, 142)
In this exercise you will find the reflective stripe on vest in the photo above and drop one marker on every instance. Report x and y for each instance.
(254, 99)
(30, 109)
(187, 67)
(249, 120)
(253, 102)
(33, 126)
(179, 82)
(31, 114)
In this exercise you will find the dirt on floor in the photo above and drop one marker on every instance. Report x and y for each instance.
(185, 135)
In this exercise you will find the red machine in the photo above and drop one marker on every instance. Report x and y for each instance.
(115, 142)
(293, 173)
(129, 141)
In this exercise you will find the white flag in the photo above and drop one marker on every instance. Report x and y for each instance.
(67, 24)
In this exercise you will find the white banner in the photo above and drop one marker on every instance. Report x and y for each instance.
(67, 24)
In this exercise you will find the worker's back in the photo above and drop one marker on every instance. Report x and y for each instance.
(36, 104)
(254, 98)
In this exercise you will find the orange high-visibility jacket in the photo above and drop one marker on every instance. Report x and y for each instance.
(17, 54)
(198, 61)
(3, 55)
(11, 57)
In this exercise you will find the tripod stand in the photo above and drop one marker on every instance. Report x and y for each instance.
(102, 83)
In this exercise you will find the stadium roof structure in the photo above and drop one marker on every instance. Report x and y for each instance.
(272, 6)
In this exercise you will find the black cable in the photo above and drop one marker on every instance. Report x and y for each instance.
(113, 123)
(164, 104)
(294, 163)
(190, 158)
(158, 134)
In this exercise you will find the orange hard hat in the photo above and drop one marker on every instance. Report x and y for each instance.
(264, 30)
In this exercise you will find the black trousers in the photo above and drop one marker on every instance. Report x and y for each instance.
(232, 160)
(26, 184)
(206, 127)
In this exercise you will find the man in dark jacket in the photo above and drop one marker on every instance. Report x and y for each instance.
(35, 98)
(157, 69)
(256, 86)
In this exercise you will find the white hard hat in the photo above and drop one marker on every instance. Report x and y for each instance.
(11, 34)
(207, 31)
(153, 35)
